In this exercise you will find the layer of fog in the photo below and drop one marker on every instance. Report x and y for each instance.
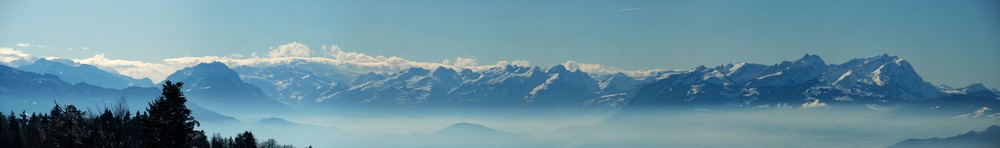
(822, 127)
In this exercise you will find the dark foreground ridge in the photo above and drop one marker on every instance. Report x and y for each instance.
(167, 122)
(989, 138)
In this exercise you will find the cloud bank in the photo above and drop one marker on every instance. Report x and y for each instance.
(11, 57)
(294, 49)
(599, 69)
(135, 69)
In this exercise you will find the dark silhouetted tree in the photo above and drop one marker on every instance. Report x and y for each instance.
(218, 141)
(199, 139)
(269, 143)
(245, 140)
(14, 137)
(166, 123)
(3, 130)
(66, 127)
(169, 123)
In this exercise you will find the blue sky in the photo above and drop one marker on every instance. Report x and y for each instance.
(954, 42)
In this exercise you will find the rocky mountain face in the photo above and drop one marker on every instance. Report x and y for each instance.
(217, 86)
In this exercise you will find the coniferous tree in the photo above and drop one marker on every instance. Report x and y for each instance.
(14, 137)
(169, 123)
(103, 134)
(3, 130)
(269, 143)
(66, 127)
(245, 140)
(230, 142)
(217, 141)
(199, 139)
(36, 131)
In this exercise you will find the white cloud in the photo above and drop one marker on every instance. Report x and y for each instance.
(350, 61)
(814, 104)
(598, 69)
(9, 54)
(23, 45)
(465, 61)
(134, 69)
(294, 49)
(12, 57)
(573, 66)
(334, 56)
(522, 63)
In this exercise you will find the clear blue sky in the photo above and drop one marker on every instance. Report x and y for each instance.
(955, 42)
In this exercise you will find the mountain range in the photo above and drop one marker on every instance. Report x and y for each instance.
(879, 82)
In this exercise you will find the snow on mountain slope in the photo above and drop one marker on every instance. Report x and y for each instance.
(698, 87)
(790, 73)
(563, 88)
(741, 73)
(874, 80)
(878, 79)
(883, 75)
(288, 84)
(499, 86)
(413, 86)
(617, 83)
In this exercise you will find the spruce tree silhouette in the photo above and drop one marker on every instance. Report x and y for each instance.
(68, 127)
(218, 142)
(3, 130)
(200, 140)
(14, 137)
(245, 140)
(169, 123)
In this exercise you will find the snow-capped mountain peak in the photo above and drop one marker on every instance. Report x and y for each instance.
(790, 73)
(882, 74)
